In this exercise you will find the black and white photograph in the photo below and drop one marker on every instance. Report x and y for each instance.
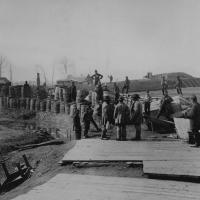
(100, 99)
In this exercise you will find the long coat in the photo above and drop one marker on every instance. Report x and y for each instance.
(121, 114)
(136, 112)
(194, 114)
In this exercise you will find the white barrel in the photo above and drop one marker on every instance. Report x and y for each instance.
(67, 108)
(72, 110)
(106, 93)
(62, 107)
(57, 92)
(78, 96)
(32, 104)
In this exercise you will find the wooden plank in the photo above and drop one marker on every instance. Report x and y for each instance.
(110, 150)
(86, 187)
(172, 168)
(182, 127)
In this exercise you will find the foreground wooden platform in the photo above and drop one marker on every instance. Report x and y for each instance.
(111, 150)
(165, 157)
(179, 169)
(86, 187)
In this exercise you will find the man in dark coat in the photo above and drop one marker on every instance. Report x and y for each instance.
(121, 116)
(194, 115)
(77, 124)
(136, 115)
(99, 92)
(165, 106)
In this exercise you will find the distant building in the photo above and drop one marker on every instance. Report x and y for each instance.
(71, 78)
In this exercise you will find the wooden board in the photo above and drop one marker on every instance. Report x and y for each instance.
(111, 150)
(86, 187)
(182, 127)
(173, 168)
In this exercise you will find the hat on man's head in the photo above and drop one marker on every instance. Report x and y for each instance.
(194, 97)
(135, 96)
(121, 98)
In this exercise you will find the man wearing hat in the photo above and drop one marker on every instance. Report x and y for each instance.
(136, 115)
(121, 116)
(194, 115)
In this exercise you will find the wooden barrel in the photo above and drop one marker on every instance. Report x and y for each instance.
(43, 106)
(27, 103)
(48, 106)
(11, 92)
(72, 109)
(62, 107)
(57, 91)
(94, 97)
(61, 94)
(67, 108)
(14, 103)
(18, 89)
(52, 106)
(57, 107)
(32, 104)
(68, 95)
(37, 105)
(11, 103)
(22, 103)
(7, 102)
(4, 102)
(78, 96)
(1, 103)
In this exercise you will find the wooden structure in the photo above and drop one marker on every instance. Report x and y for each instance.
(164, 157)
(13, 179)
(86, 187)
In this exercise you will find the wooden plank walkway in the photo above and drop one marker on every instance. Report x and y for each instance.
(111, 150)
(86, 187)
(190, 169)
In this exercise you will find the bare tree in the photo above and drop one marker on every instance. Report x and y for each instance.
(2, 62)
(11, 74)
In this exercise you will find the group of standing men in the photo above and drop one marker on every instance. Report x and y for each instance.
(121, 115)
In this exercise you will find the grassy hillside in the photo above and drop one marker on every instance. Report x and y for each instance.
(151, 84)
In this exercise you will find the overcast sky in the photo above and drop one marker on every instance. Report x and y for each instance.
(122, 37)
